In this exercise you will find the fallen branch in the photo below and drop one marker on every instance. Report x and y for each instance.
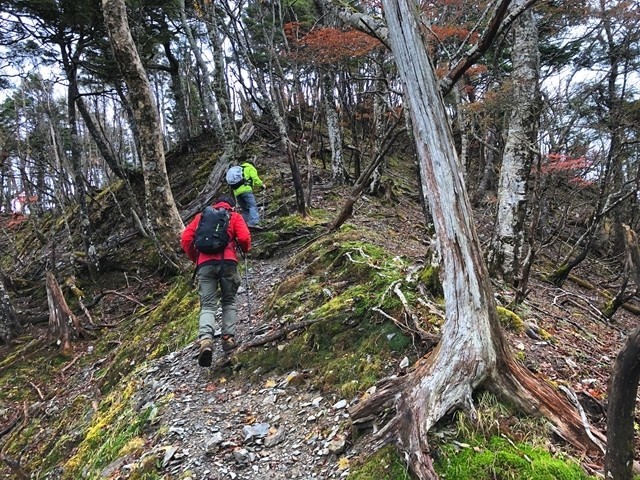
(70, 364)
(262, 340)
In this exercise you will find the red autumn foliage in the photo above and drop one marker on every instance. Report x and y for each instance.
(563, 164)
(324, 46)
(447, 32)
(560, 162)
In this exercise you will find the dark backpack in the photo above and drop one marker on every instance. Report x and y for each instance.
(211, 233)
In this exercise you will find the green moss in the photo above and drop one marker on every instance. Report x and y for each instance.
(510, 320)
(112, 434)
(430, 277)
(385, 464)
(343, 281)
(499, 458)
(170, 326)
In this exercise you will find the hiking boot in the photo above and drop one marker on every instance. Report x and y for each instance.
(204, 357)
(229, 343)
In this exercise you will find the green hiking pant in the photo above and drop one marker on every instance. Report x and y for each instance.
(218, 282)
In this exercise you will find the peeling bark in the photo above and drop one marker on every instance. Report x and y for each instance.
(505, 255)
(472, 351)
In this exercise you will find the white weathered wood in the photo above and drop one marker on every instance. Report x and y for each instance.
(472, 351)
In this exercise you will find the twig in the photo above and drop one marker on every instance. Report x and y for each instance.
(422, 333)
(37, 390)
(70, 364)
(114, 292)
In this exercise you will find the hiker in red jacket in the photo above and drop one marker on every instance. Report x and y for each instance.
(217, 270)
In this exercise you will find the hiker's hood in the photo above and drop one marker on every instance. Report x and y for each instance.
(224, 205)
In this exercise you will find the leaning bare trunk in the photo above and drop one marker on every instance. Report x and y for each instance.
(166, 224)
(103, 144)
(620, 412)
(505, 255)
(472, 351)
(365, 178)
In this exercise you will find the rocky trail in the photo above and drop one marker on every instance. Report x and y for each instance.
(220, 425)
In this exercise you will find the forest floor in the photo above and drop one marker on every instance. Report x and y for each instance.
(228, 422)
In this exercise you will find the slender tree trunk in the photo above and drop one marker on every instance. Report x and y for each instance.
(378, 122)
(472, 351)
(505, 255)
(333, 129)
(166, 225)
(79, 183)
(463, 127)
(631, 271)
(210, 110)
(620, 412)
(9, 325)
(182, 123)
(490, 150)
(221, 84)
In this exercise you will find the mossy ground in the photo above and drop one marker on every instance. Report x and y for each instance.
(343, 281)
(501, 444)
(383, 465)
(498, 457)
(74, 427)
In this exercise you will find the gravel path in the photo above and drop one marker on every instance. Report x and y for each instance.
(218, 427)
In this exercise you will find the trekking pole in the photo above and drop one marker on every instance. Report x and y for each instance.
(264, 205)
(246, 281)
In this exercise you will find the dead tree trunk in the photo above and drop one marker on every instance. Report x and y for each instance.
(9, 324)
(631, 271)
(473, 351)
(363, 180)
(63, 324)
(618, 462)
